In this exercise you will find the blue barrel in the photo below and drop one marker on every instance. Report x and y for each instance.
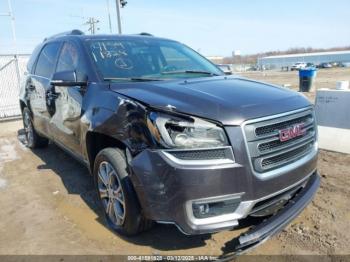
(306, 79)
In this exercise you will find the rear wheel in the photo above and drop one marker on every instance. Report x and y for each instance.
(34, 140)
(117, 196)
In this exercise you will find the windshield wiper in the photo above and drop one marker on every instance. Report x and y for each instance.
(141, 79)
(189, 72)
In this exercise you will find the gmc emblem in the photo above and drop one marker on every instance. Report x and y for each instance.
(292, 132)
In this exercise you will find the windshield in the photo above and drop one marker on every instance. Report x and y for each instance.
(148, 59)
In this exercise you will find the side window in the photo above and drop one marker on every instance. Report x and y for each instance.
(47, 60)
(33, 58)
(69, 58)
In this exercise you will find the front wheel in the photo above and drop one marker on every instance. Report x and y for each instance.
(117, 196)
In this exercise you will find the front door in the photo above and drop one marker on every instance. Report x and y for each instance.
(66, 120)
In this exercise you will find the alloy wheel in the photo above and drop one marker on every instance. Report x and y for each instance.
(111, 193)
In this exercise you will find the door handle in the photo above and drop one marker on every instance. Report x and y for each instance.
(52, 95)
(31, 87)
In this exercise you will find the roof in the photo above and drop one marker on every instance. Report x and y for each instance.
(124, 37)
(80, 35)
(308, 54)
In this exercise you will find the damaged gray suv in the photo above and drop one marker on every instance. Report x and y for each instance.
(169, 138)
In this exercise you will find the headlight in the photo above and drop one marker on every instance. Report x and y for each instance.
(190, 132)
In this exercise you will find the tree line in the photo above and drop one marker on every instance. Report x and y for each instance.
(253, 58)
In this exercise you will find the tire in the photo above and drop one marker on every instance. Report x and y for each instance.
(116, 194)
(34, 140)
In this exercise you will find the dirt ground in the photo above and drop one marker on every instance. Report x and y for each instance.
(48, 205)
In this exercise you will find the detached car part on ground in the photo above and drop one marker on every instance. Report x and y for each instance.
(169, 138)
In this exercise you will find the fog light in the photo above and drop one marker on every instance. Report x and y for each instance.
(211, 209)
(203, 209)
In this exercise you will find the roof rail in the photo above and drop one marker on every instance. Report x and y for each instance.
(146, 34)
(72, 32)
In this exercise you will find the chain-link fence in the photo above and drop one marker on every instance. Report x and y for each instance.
(12, 68)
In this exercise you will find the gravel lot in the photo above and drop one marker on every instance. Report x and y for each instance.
(47, 204)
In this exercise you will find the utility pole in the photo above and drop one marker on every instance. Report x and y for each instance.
(109, 17)
(92, 25)
(118, 17)
(12, 17)
(13, 27)
(120, 4)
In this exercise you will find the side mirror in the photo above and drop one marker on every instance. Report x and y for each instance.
(69, 78)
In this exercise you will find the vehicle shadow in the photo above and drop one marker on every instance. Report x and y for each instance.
(77, 180)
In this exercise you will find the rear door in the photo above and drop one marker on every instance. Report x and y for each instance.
(39, 87)
(66, 120)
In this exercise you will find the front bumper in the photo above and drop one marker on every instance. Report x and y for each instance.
(166, 190)
(276, 223)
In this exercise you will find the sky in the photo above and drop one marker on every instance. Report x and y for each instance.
(210, 27)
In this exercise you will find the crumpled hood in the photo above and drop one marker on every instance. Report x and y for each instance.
(229, 100)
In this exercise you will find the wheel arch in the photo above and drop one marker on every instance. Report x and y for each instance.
(95, 142)
(22, 105)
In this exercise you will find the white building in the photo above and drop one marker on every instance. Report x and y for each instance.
(316, 58)
(215, 59)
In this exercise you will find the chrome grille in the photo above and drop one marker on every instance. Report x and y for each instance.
(279, 159)
(268, 152)
(260, 131)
